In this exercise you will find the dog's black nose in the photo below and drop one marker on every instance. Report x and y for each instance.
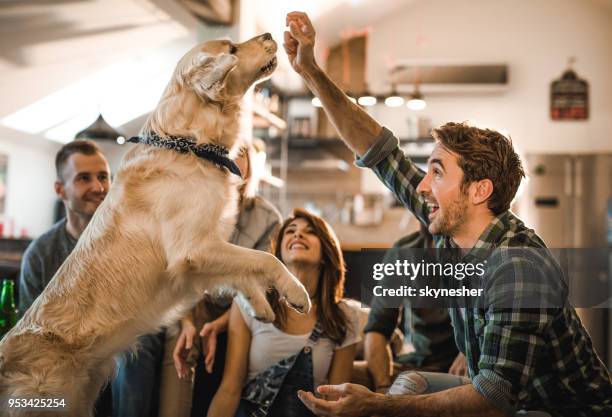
(266, 36)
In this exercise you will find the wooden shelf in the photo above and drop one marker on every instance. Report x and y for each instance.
(302, 142)
(263, 118)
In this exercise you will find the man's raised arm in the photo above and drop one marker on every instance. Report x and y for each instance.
(356, 128)
(376, 146)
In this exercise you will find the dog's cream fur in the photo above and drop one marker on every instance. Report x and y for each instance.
(154, 245)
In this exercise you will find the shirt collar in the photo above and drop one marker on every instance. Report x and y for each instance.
(489, 238)
(71, 240)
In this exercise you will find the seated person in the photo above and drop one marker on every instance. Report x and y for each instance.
(268, 362)
(428, 330)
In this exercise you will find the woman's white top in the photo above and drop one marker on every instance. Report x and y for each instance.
(270, 345)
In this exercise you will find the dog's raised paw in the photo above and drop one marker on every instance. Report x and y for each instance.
(299, 308)
(298, 300)
(302, 305)
(266, 318)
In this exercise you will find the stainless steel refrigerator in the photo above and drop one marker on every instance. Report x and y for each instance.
(566, 199)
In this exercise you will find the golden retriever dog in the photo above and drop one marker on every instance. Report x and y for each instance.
(153, 247)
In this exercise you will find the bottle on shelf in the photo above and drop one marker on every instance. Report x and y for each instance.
(8, 311)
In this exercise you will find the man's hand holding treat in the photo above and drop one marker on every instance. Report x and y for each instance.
(299, 43)
(358, 130)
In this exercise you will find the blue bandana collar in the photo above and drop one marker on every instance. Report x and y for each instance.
(216, 154)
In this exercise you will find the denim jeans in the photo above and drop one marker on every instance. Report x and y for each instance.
(413, 382)
(300, 377)
(135, 389)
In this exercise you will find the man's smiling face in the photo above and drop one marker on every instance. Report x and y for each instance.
(85, 182)
(441, 188)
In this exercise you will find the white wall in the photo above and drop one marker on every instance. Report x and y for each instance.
(534, 37)
(30, 177)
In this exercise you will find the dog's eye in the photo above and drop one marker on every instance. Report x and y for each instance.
(233, 49)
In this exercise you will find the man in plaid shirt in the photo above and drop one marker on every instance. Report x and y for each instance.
(518, 358)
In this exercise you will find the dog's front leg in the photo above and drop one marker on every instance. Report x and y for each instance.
(249, 271)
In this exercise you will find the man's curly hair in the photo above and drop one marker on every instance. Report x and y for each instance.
(484, 153)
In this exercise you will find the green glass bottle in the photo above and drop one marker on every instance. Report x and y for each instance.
(8, 311)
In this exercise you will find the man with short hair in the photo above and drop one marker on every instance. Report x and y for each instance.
(538, 359)
(83, 180)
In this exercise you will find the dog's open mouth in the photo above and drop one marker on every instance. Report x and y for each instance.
(269, 66)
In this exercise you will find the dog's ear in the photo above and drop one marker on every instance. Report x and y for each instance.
(209, 73)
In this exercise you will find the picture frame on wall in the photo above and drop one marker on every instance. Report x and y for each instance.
(569, 97)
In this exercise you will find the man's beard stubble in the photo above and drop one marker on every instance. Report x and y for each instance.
(453, 218)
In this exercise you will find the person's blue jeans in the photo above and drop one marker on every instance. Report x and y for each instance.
(414, 382)
(135, 389)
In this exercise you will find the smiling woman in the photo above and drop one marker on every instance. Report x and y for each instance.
(307, 242)
(270, 362)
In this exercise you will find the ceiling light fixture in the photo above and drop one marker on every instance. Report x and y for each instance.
(367, 100)
(100, 130)
(416, 102)
(394, 99)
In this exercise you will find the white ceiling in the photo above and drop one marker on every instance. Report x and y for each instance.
(67, 60)
(73, 59)
(64, 61)
(332, 18)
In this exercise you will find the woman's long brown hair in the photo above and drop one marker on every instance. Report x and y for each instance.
(330, 288)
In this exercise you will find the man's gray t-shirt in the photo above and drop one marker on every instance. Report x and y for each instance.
(41, 260)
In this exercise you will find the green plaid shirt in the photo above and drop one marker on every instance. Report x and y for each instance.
(518, 358)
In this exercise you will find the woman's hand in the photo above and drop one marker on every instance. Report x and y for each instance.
(209, 334)
(226, 400)
(183, 347)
